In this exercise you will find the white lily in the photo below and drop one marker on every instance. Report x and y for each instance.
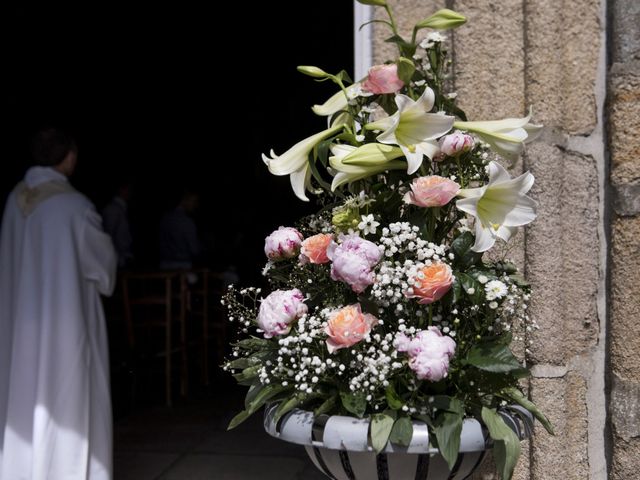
(380, 159)
(295, 161)
(506, 137)
(499, 206)
(413, 129)
(337, 102)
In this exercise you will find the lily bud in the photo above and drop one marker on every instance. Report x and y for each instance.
(313, 71)
(377, 3)
(442, 20)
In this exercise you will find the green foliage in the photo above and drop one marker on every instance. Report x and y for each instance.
(355, 402)
(516, 395)
(493, 356)
(402, 431)
(381, 425)
(506, 446)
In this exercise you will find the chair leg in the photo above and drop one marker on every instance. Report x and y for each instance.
(168, 343)
(184, 374)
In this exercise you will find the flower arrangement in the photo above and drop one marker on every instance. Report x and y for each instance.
(383, 303)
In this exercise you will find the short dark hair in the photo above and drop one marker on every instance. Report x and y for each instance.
(50, 146)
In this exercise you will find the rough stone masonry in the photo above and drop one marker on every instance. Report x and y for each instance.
(577, 62)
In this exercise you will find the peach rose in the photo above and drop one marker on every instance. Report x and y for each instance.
(348, 326)
(431, 191)
(432, 283)
(383, 79)
(314, 249)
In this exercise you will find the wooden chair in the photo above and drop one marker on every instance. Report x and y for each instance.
(156, 296)
(203, 301)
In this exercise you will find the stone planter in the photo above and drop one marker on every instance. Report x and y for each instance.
(340, 448)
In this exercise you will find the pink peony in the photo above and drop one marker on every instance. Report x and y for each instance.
(383, 79)
(314, 249)
(279, 310)
(431, 191)
(283, 243)
(429, 353)
(456, 143)
(353, 261)
(348, 326)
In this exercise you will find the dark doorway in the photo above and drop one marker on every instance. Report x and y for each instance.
(163, 96)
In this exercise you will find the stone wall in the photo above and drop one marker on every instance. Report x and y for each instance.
(551, 54)
(624, 141)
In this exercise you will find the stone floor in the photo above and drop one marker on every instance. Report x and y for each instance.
(190, 442)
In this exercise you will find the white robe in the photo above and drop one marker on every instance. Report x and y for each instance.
(55, 261)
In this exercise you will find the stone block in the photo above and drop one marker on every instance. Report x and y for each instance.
(624, 122)
(625, 463)
(625, 298)
(489, 59)
(562, 253)
(565, 455)
(562, 54)
(625, 26)
(407, 14)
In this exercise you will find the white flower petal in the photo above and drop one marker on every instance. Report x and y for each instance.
(484, 238)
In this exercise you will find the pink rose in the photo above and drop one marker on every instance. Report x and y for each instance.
(283, 243)
(383, 79)
(431, 283)
(279, 310)
(456, 143)
(431, 191)
(429, 353)
(314, 249)
(348, 326)
(353, 261)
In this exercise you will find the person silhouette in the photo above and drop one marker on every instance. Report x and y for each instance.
(179, 245)
(55, 261)
(115, 219)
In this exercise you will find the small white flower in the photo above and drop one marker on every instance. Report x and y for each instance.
(482, 279)
(493, 305)
(495, 289)
(368, 224)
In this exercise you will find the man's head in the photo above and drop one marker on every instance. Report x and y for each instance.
(189, 201)
(52, 147)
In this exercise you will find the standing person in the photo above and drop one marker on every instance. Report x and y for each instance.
(179, 244)
(115, 218)
(55, 261)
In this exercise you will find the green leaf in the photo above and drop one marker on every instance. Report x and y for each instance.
(493, 358)
(248, 375)
(238, 419)
(355, 403)
(378, 3)
(240, 363)
(253, 391)
(407, 49)
(517, 396)
(286, 406)
(447, 427)
(450, 404)
(381, 425)
(469, 284)
(254, 343)
(461, 248)
(406, 68)
(326, 406)
(506, 448)
(316, 174)
(393, 399)
(402, 432)
(263, 396)
(443, 19)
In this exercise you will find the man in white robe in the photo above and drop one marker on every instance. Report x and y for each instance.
(55, 261)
